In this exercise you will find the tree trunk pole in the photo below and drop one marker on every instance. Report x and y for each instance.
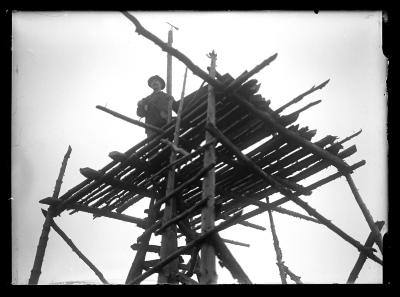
(44, 237)
(41, 249)
(207, 262)
(169, 64)
(137, 264)
(169, 74)
(374, 229)
(278, 251)
(198, 240)
(129, 120)
(169, 240)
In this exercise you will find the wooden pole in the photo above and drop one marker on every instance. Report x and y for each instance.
(129, 120)
(169, 64)
(234, 242)
(301, 96)
(41, 248)
(293, 136)
(174, 147)
(181, 160)
(287, 193)
(40, 251)
(75, 249)
(180, 216)
(311, 211)
(99, 212)
(362, 258)
(57, 188)
(221, 251)
(185, 279)
(207, 261)
(169, 240)
(165, 47)
(293, 276)
(182, 186)
(117, 183)
(278, 251)
(137, 264)
(374, 229)
(189, 246)
(229, 260)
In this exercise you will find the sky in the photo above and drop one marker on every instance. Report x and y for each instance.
(66, 63)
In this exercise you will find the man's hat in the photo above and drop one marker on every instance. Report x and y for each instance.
(157, 78)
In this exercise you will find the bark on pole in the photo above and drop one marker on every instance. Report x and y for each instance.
(207, 262)
(41, 248)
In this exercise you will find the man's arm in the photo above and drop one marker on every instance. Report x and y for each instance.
(175, 105)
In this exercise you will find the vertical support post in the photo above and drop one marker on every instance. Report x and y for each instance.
(44, 236)
(169, 241)
(137, 264)
(374, 229)
(207, 262)
(169, 75)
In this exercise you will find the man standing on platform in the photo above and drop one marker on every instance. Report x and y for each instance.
(155, 106)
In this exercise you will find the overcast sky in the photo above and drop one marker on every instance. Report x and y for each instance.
(66, 63)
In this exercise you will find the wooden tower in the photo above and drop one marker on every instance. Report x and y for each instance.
(199, 182)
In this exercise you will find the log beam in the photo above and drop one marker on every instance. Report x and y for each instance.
(75, 249)
(362, 258)
(367, 215)
(98, 212)
(229, 260)
(207, 261)
(129, 120)
(182, 250)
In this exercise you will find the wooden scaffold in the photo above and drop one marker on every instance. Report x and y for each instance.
(199, 182)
